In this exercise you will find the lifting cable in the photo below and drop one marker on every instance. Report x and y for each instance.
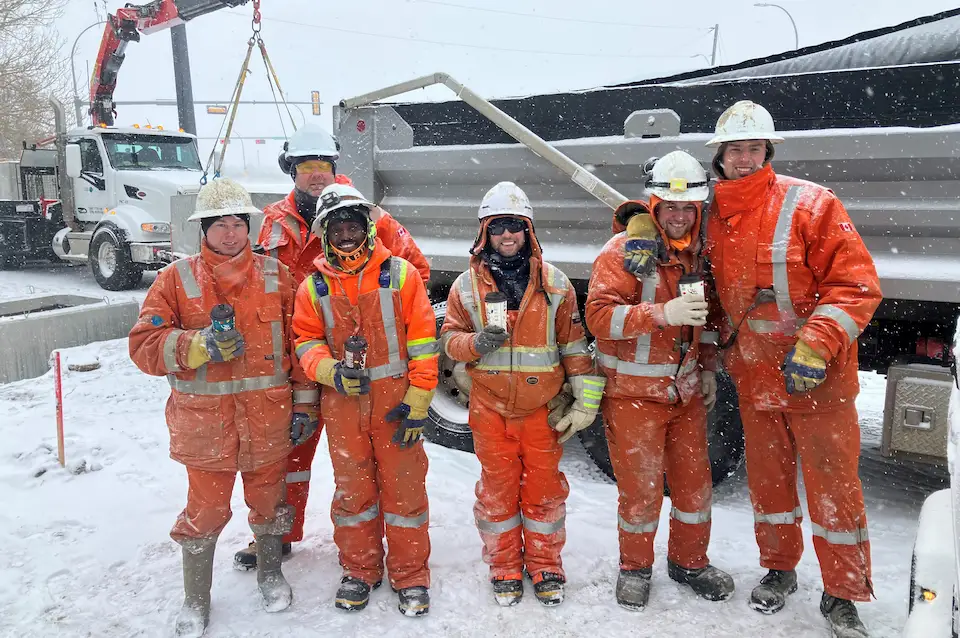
(273, 82)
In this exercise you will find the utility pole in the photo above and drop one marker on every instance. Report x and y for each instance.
(181, 75)
(716, 39)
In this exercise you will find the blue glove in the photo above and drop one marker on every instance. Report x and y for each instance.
(641, 252)
(303, 425)
(412, 414)
(351, 382)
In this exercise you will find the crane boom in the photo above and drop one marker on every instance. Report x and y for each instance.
(126, 26)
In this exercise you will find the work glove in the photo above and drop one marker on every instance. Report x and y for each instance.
(489, 339)
(803, 369)
(347, 381)
(686, 310)
(708, 386)
(559, 405)
(211, 345)
(587, 391)
(304, 423)
(412, 414)
(640, 251)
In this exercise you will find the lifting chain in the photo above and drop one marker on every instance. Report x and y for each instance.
(255, 23)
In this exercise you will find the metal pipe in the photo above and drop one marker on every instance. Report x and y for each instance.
(181, 75)
(796, 37)
(579, 175)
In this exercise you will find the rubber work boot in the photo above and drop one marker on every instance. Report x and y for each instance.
(246, 558)
(633, 588)
(414, 601)
(508, 590)
(843, 617)
(770, 595)
(354, 594)
(197, 578)
(707, 582)
(275, 592)
(549, 588)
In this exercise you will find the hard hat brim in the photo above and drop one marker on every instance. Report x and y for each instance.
(696, 194)
(504, 213)
(318, 223)
(717, 140)
(222, 212)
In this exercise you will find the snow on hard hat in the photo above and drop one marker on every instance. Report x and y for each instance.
(220, 198)
(678, 177)
(506, 198)
(745, 120)
(312, 141)
(337, 197)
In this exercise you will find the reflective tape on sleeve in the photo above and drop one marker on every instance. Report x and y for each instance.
(395, 520)
(839, 315)
(170, 351)
(617, 322)
(306, 346)
(580, 347)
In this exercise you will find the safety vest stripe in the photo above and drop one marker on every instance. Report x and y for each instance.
(640, 528)
(398, 273)
(469, 300)
(422, 348)
(276, 334)
(389, 322)
(765, 326)
(294, 224)
(271, 275)
(411, 522)
(779, 518)
(276, 234)
(170, 351)
(710, 337)
(306, 396)
(781, 244)
(365, 516)
(306, 346)
(839, 315)
(638, 369)
(298, 477)
(841, 538)
(617, 322)
(555, 300)
(542, 527)
(506, 357)
(574, 348)
(222, 388)
(387, 370)
(690, 518)
(648, 294)
(190, 286)
(498, 527)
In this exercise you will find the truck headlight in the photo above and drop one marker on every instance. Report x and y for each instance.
(927, 595)
(155, 227)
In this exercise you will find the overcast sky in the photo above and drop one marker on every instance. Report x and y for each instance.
(496, 47)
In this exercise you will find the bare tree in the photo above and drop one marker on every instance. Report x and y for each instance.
(32, 67)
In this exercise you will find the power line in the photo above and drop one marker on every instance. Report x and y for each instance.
(559, 19)
(456, 44)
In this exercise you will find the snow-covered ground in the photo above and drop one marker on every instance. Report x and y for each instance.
(86, 552)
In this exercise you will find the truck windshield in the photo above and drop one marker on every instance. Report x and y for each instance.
(151, 152)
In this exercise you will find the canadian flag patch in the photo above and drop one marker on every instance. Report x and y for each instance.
(846, 227)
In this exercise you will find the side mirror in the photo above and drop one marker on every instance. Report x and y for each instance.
(73, 160)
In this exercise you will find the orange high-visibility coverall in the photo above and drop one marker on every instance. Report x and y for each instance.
(653, 404)
(380, 487)
(771, 231)
(231, 416)
(520, 508)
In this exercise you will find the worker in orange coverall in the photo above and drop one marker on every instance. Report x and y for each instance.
(230, 403)
(659, 386)
(310, 158)
(517, 369)
(794, 276)
(376, 399)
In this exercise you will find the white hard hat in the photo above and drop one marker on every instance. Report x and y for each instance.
(311, 141)
(678, 177)
(220, 198)
(506, 198)
(333, 198)
(745, 120)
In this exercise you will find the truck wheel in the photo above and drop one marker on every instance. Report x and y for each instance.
(724, 435)
(110, 262)
(448, 414)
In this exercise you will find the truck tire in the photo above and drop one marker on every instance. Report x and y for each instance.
(110, 261)
(448, 414)
(724, 434)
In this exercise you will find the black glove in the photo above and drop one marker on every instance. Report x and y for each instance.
(490, 339)
(302, 427)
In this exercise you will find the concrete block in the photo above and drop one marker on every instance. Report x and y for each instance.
(31, 328)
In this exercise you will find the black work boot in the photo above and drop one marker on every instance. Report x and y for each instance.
(770, 595)
(843, 617)
(414, 601)
(633, 588)
(508, 591)
(549, 588)
(354, 594)
(246, 559)
(707, 582)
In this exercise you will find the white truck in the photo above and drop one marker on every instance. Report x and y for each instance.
(100, 195)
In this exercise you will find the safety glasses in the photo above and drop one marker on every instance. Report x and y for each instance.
(506, 225)
(314, 166)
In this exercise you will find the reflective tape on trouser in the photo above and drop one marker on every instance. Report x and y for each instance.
(690, 518)
(779, 518)
(499, 527)
(298, 477)
(404, 521)
(363, 517)
(640, 528)
(540, 527)
(839, 315)
(841, 538)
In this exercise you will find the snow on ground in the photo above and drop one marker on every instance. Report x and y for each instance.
(86, 551)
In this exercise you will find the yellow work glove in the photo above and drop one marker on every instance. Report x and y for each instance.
(211, 345)
(412, 414)
(346, 381)
(803, 369)
(588, 392)
(640, 251)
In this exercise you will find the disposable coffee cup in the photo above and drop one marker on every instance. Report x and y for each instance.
(496, 303)
(692, 284)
